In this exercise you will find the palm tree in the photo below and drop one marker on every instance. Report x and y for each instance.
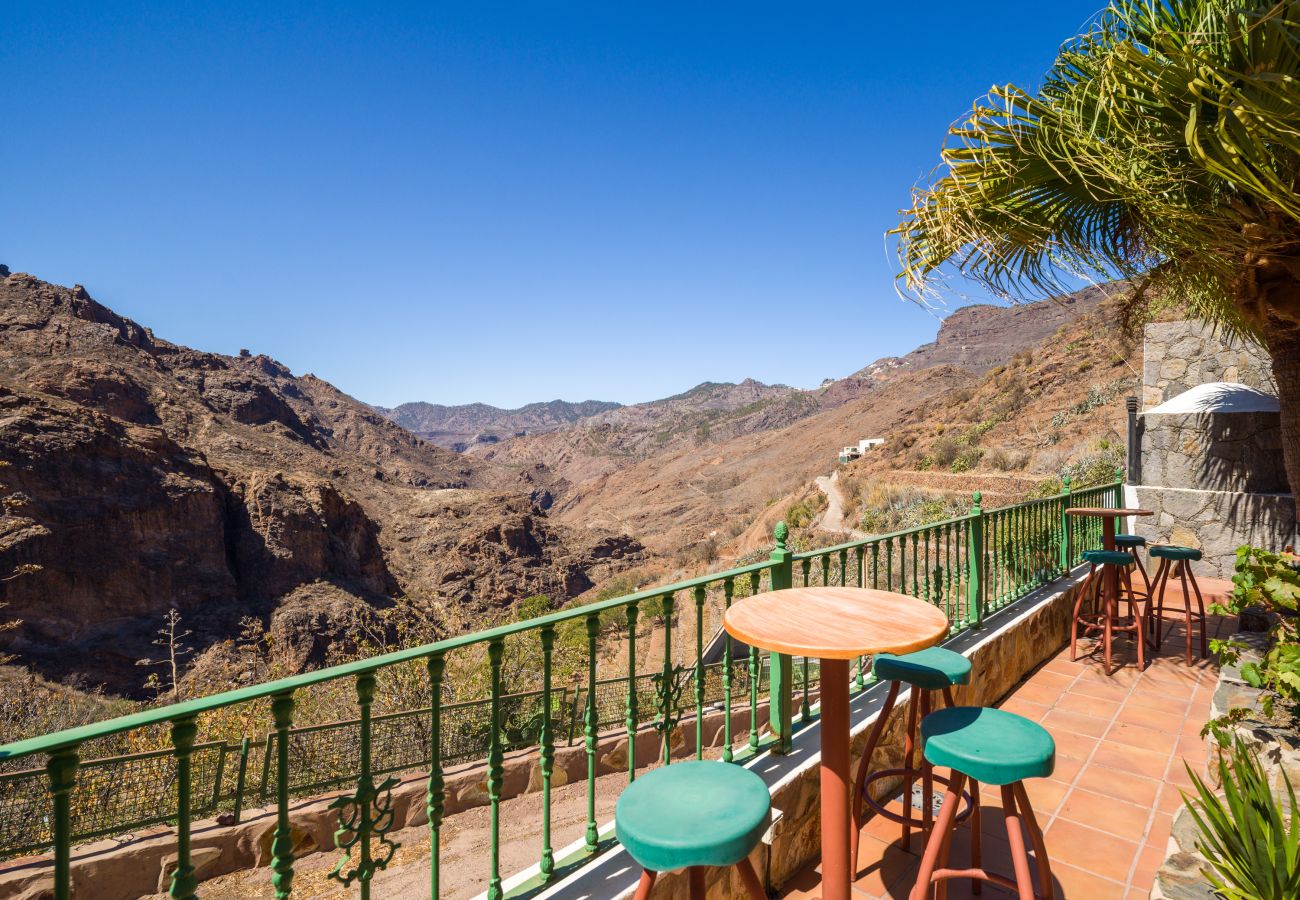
(1163, 147)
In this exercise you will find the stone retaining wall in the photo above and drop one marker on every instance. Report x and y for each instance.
(1215, 522)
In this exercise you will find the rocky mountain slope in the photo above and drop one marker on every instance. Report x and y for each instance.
(144, 475)
(981, 336)
(457, 427)
(946, 428)
(679, 472)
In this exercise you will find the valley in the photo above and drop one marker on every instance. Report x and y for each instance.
(145, 476)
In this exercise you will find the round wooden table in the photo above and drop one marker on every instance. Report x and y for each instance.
(835, 625)
(1108, 517)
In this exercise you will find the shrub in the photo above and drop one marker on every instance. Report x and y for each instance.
(1272, 581)
(801, 514)
(1252, 853)
(1096, 468)
(967, 459)
(944, 451)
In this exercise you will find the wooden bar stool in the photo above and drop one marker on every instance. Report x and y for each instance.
(694, 815)
(1104, 615)
(993, 747)
(928, 671)
(1178, 561)
(1132, 543)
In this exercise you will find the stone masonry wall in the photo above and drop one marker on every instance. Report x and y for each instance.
(1180, 355)
(1215, 522)
(1214, 482)
(1214, 452)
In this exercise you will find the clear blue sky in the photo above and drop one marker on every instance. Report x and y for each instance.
(460, 202)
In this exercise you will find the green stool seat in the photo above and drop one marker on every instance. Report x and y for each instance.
(933, 668)
(1130, 540)
(695, 813)
(1167, 551)
(989, 745)
(1114, 557)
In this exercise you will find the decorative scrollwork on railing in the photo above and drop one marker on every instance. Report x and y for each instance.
(668, 686)
(365, 815)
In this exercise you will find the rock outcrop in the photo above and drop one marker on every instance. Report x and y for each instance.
(142, 476)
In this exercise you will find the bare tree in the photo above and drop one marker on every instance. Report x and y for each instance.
(172, 639)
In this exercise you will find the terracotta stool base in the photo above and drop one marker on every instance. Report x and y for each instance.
(1104, 619)
(919, 708)
(695, 877)
(1015, 809)
(1183, 570)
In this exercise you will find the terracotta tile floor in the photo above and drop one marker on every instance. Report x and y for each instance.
(1106, 811)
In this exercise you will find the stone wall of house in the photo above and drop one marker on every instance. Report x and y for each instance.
(1177, 356)
(1215, 481)
(1214, 452)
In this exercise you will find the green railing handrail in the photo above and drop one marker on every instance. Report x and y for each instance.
(70, 737)
(968, 564)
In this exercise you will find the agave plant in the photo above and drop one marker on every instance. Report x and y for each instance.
(1253, 853)
(1162, 147)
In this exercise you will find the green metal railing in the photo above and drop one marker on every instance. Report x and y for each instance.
(969, 566)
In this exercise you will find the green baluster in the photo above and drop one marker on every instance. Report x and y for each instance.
(781, 665)
(589, 731)
(926, 545)
(668, 677)
(975, 564)
(1067, 549)
(633, 717)
(699, 671)
(862, 660)
(947, 568)
(844, 568)
(755, 671)
(916, 581)
(368, 813)
(728, 591)
(496, 772)
(282, 843)
(826, 569)
(435, 796)
(889, 565)
(875, 565)
(806, 565)
(184, 884)
(547, 751)
(61, 769)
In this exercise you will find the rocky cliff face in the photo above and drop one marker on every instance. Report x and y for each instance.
(143, 475)
(978, 337)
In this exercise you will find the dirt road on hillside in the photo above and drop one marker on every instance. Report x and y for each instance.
(832, 518)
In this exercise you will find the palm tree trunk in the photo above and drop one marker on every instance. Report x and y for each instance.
(1285, 351)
